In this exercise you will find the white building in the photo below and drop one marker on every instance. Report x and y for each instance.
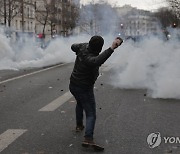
(134, 22)
(59, 20)
(28, 18)
(139, 25)
(20, 19)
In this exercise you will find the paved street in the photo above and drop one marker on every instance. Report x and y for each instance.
(37, 116)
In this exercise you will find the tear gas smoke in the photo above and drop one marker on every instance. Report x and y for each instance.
(151, 64)
(29, 54)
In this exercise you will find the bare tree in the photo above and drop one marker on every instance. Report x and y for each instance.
(175, 5)
(42, 14)
(70, 13)
(60, 16)
(167, 17)
(94, 18)
(74, 16)
(9, 9)
(3, 11)
(175, 8)
(46, 15)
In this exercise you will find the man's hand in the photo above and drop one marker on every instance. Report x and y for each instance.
(116, 43)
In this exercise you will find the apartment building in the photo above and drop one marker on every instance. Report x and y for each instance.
(44, 18)
(18, 17)
(24, 22)
(134, 22)
(139, 25)
(55, 17)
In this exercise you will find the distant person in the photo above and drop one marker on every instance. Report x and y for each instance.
(83, 77)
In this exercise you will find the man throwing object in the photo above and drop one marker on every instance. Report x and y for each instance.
(82, 80)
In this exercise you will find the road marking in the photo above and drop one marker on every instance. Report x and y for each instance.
(22, 76)
(57, 102)
(10, 136)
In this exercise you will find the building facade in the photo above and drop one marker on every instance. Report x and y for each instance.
(134, 22)
(24, 22)
(140, 25)
(55, 17)
(44, 18)
(18, 17)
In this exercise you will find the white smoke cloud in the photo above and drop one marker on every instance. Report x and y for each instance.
(152, 64)
(28, 54)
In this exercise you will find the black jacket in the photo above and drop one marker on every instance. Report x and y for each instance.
(86, 68)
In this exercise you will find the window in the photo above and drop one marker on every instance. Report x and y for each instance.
(25, 25)
(16, 24)
(28, 12)
(20, 24)
(31, 25)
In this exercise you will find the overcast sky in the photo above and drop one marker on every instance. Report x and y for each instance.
(141, 4)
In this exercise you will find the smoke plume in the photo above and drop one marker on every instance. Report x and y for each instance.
(151, 64)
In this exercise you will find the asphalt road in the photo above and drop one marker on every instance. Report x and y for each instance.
(125, 118)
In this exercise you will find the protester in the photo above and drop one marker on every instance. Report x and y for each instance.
(83, 77)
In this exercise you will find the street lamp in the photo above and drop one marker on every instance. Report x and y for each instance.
(121, 26)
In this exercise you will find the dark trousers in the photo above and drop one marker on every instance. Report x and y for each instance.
(85, 102)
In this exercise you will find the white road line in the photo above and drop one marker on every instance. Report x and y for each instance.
(57, 102)
(22, 76)
(10, 136)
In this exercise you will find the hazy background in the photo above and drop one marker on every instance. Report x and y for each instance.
(141, 4)
(152, 63)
